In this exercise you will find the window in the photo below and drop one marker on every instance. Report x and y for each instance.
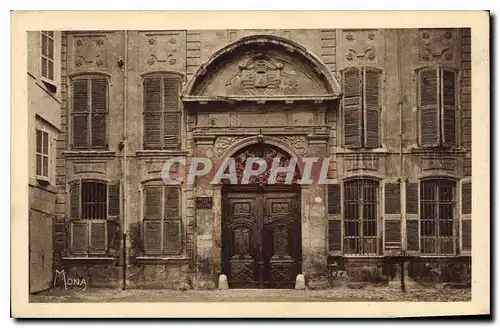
(437, 217)
(92, 205)
(89, 112)
(361, 107)
(361, 217)
(162, 226)
(47, 58)
(162, 115)
(437, 104)
(42, 154)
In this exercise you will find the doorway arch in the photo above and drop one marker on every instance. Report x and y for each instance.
(261, 225)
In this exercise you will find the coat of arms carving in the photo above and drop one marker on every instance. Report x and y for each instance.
(261, 75)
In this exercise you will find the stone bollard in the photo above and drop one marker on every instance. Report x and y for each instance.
(223, 282)
(300, 282)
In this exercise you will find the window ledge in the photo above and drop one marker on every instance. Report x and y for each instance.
(88, 153)
(352, 151)
(90, 259)
(161, 260)
(162, 152)
(434, 150)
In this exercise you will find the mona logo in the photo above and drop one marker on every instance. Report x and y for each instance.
(69, 281)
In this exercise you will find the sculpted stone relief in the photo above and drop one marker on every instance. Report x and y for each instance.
(436, 44)
(162, 48)
(89, 51)
(298, 143)
(361, 45)
(262, 75)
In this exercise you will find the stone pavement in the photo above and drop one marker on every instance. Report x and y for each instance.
(341, 294)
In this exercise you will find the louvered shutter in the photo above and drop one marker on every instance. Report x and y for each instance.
(392, 198)
(172, 237)
(80, 114)
(152, 113)
(335, 235)
(171, 115)
(448, 103)
(152, 202)
(392, 216)
(79, 237)
(152, 237)
(334, 219)
(172, 226)
(334, 199)
(152, 228)
(98, 242)
(352, 107)
(74, 200)
(429, 107)
(412, 220)
(113, 199)
(99, 100)
(465, 217)
(371, 97)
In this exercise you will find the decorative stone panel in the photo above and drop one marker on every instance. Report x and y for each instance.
(89, 51)
(437, 45)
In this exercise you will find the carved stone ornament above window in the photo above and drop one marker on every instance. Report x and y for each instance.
(89, 51)
(262, 75)
(162, 49)
(436, 44)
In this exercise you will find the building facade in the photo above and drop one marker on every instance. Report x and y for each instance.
(390, 109)
(44, 122)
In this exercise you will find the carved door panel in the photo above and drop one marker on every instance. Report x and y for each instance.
(261, 239)
(282, 240)
(241, 239)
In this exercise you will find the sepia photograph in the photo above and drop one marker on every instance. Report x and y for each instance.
(326, 164)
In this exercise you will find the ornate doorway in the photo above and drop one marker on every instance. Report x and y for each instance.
(261, 235)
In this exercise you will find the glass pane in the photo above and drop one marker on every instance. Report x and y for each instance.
(38, 164)
(446, 228)
(51, 49)
(51, 70)
(44, 67)
(45, 160)
(39, 141)
(44, 45)
(45, 143)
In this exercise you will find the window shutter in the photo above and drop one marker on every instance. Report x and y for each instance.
(172, 228)
(113, 199)
(429, 107)
(172, 115)
(99, 101)
(80, 96)
(98, 243)
(152, 202)
(152, 237)
(412, 221)
(334, 199)
(335, 235)
(352, 107)
(171, 205)
(74, 199)
(79, 238)
(372, 107)
(466, 223)
(172, 236)
(448, 103)
(81, 111)
(392, 198)
(152, 113)
(392, 217)
(171, 128)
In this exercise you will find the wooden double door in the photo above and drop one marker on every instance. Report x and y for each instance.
(261, 240)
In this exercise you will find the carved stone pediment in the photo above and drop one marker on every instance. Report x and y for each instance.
(261, 75)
